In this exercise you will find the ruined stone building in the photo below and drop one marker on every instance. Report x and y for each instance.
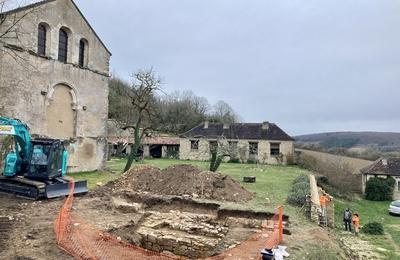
(155, 145)
(254, 142)
(54, 72)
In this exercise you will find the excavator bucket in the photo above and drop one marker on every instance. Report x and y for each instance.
(63, 189)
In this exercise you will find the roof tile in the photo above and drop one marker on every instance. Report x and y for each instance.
(250, 131)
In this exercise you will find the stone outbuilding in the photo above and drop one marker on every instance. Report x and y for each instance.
(54, 72)
(159, 146)
(383, 168)
(248, 142)
(156, 145)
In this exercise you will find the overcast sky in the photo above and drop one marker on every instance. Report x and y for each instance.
(309, 66)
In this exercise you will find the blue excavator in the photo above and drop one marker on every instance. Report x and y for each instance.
(34, 168)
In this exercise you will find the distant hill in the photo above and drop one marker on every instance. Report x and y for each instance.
(383, 141)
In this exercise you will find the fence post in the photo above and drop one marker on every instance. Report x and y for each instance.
(280, 208)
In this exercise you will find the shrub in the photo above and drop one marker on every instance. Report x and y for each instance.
(301, 178)
(251, 161)
(234, 160)
(378, 189)
(322, 180)
(290, 159)
(301, 186)
(216, 160)
(297, 198)
(299, 191)
(373, 228)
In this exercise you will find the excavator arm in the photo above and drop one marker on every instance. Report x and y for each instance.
(18, 160)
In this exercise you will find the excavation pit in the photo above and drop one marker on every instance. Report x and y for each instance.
(173, 224)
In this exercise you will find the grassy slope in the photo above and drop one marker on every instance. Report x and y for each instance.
(373, 211)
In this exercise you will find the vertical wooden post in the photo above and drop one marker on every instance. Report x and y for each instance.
(280, 225)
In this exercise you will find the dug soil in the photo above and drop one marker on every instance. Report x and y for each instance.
(181, 180)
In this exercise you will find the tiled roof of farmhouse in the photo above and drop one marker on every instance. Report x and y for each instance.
(389, 166)
(250, 131)
(156, 140)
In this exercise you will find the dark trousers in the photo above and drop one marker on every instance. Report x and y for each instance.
(347, 225)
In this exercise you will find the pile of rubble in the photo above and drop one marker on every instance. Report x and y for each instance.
(181, 180)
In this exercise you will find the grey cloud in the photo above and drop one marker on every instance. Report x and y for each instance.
(309, 66)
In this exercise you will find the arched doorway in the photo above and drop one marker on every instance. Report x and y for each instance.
(61, 114)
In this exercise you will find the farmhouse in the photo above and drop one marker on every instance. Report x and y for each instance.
(54, 72)
(383, 168)
(261, 142)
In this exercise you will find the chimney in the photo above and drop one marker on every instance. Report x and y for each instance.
(206, 123)
(226, 126)
(384, 162)
(265, 125)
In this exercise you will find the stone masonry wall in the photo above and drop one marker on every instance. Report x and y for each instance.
(264, 156)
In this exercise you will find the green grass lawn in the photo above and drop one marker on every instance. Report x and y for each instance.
(271, 189)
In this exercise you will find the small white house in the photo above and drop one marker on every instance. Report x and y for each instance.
(383, 168)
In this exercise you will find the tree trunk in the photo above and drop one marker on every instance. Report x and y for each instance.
(134, 152)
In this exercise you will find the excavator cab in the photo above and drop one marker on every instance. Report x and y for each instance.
(47, 159)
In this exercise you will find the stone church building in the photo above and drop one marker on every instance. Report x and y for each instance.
(54, 72)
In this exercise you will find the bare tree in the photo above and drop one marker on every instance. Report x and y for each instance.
(142, 94)
(181, 111)
(10, 28)
(223, 113)
(120, 106)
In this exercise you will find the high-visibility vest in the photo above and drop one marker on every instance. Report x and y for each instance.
(356, 221)
(322, 200)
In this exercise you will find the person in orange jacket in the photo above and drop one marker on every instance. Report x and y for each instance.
(323, 200)
(356, 223)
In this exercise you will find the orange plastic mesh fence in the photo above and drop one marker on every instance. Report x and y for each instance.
(277, 233)
(84, 241)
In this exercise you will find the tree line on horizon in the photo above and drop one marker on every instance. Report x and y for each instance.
(174, 113)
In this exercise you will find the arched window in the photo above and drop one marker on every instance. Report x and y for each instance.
(63, 45)
(42, 37)
(82, 52)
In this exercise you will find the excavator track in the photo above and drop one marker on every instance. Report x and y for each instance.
(23, 187)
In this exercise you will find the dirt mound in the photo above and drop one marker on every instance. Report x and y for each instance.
(182, 180)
